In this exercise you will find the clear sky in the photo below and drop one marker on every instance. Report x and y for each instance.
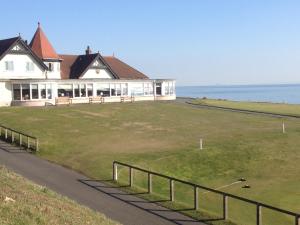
(197, 42)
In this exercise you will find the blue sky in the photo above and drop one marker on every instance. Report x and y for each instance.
(197, 42)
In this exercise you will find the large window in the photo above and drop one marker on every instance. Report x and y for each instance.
(82, 90)
(148, 89)
(25, 92)
(76, 90)
(90, 90)
(16, 91)
(49, 91)
(65, 90)
(43, 91)
(137, 89)
(34, 91)
(167, 89)
(9, 66)
(118, 89)
(103, 90)
(124, 89)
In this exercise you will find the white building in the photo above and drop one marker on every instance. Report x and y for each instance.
(35, 75)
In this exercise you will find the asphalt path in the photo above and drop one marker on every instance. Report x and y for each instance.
(111, 201)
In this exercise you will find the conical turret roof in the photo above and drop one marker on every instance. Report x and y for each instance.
(41, 46)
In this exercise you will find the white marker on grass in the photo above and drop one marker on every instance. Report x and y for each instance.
(201, 144)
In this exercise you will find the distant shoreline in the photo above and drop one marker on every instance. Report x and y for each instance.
(284, 93)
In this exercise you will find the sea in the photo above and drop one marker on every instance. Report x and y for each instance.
(279, 93)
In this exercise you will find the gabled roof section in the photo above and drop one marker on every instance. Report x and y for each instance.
(7, 45)
(42, 46)
(123, 70)
(74, 66)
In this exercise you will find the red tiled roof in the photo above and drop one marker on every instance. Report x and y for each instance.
(73, 66)
(123, 70)
(41, 46)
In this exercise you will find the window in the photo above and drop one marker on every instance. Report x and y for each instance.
(65, 90)
(9, 66)
(43, 91)
(29, 66)
(16, 91)
(102, 90)
(76, 90)
(25, 91)
(167, 90)
(51, 67)
(124, 89)
(171, 88)
(82, 90)
(34, 91)
(90, 90)
(158, 88)
(118, 89)
(137, 89)
(49, 91)
(148, 89)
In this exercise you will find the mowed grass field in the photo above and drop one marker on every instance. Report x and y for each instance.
(278, 108)
(23, 202)
(164, 137)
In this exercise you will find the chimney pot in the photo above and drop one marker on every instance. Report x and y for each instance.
(88, 50)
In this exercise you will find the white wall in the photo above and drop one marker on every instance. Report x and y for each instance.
(91, 73)
(5, 94)
(55, 74)
(19, 71)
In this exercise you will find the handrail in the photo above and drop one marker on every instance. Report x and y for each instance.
(224, 194)
(21, 143)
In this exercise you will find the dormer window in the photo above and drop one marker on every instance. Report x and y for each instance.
(51, 67)
(9, 66)
(29, 67)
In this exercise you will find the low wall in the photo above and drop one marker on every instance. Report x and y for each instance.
(86, 100)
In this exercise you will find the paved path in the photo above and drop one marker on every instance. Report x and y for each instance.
(114, 203)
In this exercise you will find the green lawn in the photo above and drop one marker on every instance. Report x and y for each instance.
(22, 202)
(164, 137)
(279, 108)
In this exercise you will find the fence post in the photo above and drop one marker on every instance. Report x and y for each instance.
(115, 171)
(258, 215)
(225, 207)
(36, 145)
(5, 133)
(297, 220)
(196, 198)
(0, 131)
(20, 140)
(130, 176)
(12, 137)
(28, 143)
(149, 183)
(171, 190)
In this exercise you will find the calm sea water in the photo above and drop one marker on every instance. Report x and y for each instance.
(286, 93)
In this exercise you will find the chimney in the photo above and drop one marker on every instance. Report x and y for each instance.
(88, 50)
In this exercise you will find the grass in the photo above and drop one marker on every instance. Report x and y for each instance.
(164, 137)
(278, 108)
(34, 204)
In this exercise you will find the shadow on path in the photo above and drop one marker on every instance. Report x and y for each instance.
(171, 215)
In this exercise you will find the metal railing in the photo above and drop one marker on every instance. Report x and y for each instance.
(16, 137)
(196, 187)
